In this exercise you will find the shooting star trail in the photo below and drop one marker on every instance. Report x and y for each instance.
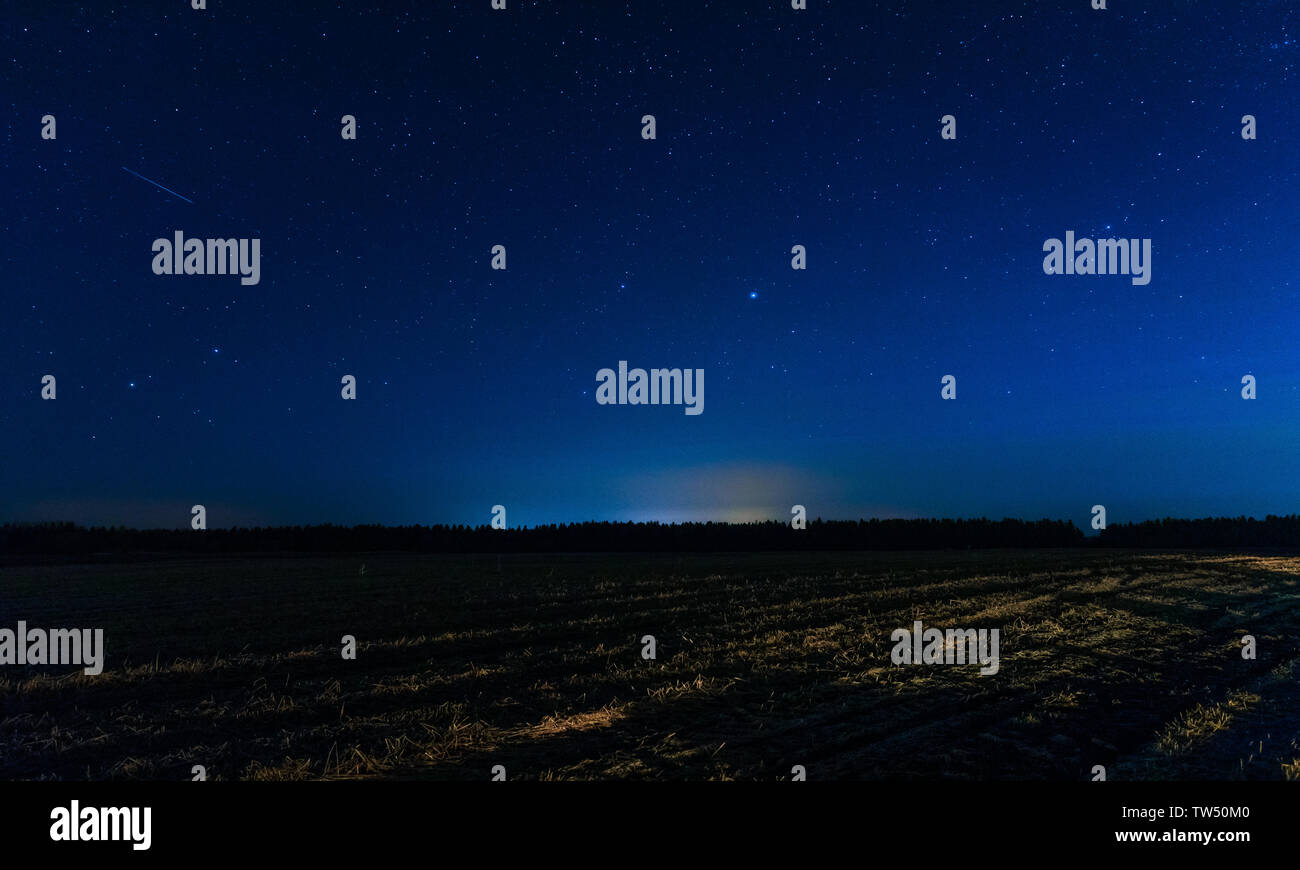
(159, 186)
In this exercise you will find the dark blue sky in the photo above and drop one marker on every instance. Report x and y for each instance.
(774, 128)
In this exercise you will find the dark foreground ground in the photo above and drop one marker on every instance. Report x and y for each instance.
(1122, 659)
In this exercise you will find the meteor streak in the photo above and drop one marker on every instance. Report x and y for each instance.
(160, 187)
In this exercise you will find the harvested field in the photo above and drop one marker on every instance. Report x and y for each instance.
(763, 662)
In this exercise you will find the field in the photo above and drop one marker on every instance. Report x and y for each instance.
(1122, 659)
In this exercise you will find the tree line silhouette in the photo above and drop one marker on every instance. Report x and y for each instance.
(1209, 533)
(875, 534)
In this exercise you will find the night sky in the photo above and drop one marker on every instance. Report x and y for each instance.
(523, 128)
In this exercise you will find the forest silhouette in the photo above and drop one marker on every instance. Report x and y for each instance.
(874, 534)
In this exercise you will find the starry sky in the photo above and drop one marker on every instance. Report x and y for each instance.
(522, 128)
